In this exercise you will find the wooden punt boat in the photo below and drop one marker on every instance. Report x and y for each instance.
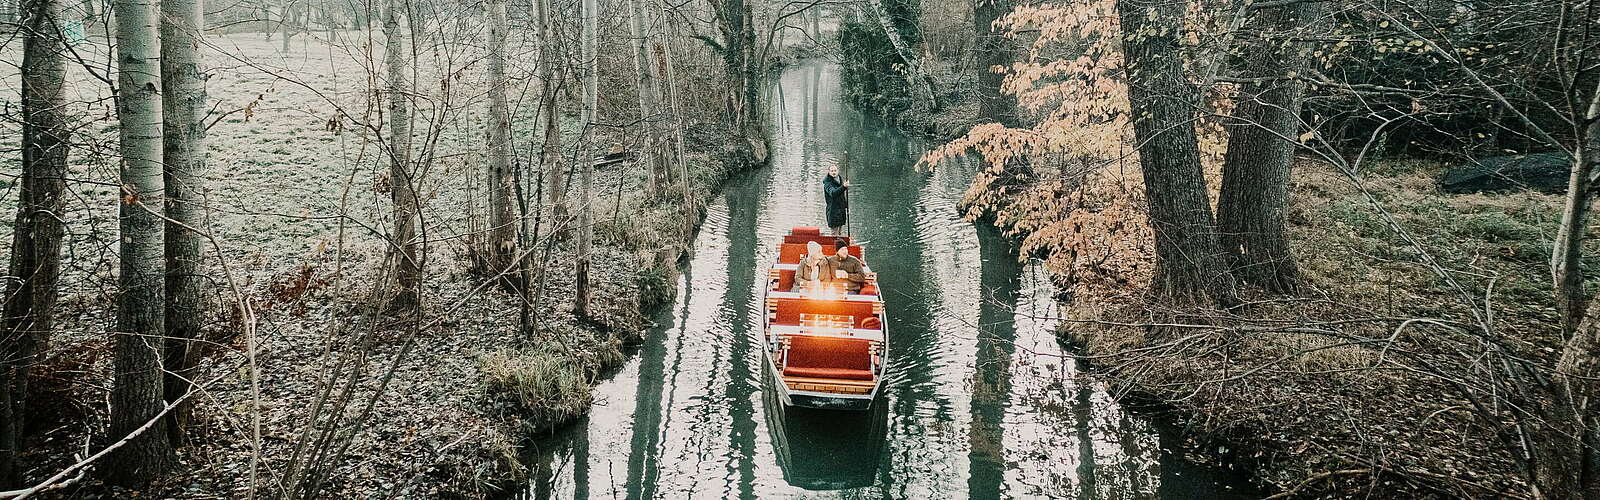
(824, 347)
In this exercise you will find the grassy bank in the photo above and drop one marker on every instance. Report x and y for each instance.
(1347, 388)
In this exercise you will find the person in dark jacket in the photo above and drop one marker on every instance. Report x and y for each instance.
(849, 269)
(834, 192)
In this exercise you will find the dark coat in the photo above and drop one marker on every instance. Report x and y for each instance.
(834, 193)
(855, 271)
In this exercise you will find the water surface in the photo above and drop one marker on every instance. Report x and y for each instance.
(979, 401)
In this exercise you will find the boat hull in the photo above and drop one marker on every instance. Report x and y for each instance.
(824, 347)
(818, 400)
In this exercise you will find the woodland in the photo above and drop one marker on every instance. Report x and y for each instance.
(324, 248)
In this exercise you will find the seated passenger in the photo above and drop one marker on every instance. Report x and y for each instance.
(849, 269)
(814, 269)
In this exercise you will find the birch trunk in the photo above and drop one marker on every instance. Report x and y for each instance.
(502, 238)
(1565, 265)
(591, 74)
(36, 242)
(402, 193)
(183, 103)
(1254, 201)
(1567, 464)
(649, 100)
(136, 392)
(550, 159)
(1163, 102)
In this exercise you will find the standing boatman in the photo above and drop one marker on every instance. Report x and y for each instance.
(835, 193)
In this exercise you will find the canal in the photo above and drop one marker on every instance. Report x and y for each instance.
(979, 401)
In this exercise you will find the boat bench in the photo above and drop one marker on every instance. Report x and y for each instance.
(787, 311)
(785, 276)
(790, 253)
(827, 357)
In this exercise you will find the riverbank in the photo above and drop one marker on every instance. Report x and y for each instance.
(298, 203)
(1287, 387)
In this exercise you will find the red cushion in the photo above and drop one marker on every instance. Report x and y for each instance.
(869, 289)
(806, 230)
(839, 373)
(785, 280)
(789, 310)
(809, 352)
(790, 253)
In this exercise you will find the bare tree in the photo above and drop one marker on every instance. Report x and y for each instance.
(649, 100)
(36, 241)
(183, 103)
(585, 159)
(502, 238)
(550, 158)
(136, 392)
(1567, 463)
(402, 191)
(288, 22)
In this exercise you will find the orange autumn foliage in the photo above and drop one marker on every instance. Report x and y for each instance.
(1073, 191)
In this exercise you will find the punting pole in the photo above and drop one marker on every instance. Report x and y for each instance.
(845, 168)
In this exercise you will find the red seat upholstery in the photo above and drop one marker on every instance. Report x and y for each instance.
(828, 357)
(789, 310)
(869, 289)
(839, 373)
(785, 280)
(823, 239)
(790, 253)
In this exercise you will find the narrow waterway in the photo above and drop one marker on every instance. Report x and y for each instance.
(979, 402)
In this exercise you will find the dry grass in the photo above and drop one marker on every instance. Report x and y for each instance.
(1290, 387)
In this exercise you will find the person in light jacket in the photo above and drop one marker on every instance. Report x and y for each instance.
(814, 269)
(836, 193)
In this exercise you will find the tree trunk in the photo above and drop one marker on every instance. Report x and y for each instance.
(669, 85)
(1163, 104)
(751, 80)
(286, 24)
(1565, 265)
(918, 77)
(501, 246)
(816, 24)
(402, 193)
(649, 100)
(1261, 144)
(183, 103)
(136, 392)
(993, 52)
(36, 240)
(1567, 460)
(585, 159)
(550, 159)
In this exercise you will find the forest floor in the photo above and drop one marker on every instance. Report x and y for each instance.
(297, 202)
(1287, 389)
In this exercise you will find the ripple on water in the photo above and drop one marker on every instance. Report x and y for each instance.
(980, 400)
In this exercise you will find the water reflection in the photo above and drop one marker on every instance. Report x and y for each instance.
(825, 450)
(979, 401)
